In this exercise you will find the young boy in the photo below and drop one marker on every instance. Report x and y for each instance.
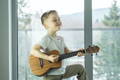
(51, 41)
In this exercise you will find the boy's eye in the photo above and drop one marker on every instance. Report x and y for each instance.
(55, 20)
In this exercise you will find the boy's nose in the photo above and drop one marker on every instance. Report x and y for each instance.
(58, 23)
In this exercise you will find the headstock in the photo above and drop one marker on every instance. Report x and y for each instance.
(93, 49)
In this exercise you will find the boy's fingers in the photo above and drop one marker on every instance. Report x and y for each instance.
(80, 54)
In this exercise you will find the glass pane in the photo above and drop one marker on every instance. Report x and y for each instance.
(106, 30)
(30, 30)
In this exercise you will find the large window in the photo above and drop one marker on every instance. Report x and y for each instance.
(106, 30)
(30, 30)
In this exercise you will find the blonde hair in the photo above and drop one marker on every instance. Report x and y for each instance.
(46, 14)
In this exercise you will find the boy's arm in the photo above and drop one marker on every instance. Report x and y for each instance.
(37, 53)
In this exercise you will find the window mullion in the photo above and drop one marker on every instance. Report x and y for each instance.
(88, 36)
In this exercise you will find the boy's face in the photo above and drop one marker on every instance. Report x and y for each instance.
(53, 22)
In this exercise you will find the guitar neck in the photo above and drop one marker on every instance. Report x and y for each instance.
(68, 55)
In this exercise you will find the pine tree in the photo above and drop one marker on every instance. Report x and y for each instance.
(107, 63)
(113, 18)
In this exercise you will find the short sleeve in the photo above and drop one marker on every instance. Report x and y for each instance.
(44, 42)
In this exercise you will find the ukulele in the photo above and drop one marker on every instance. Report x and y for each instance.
(40, 67)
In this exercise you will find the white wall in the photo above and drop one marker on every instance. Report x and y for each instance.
(4, 43)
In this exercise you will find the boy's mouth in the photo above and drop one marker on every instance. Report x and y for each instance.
(58, 24)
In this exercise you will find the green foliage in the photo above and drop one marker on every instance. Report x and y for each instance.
(113, 18)
(107, 62)
(23, 17)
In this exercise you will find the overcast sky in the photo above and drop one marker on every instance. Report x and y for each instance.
(67, 6)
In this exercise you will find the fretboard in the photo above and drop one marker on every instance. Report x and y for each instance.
(68, 55)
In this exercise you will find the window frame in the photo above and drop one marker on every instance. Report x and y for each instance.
(13, 40)
(13, 57)
(88, 36)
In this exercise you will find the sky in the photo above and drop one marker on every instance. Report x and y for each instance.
(66, 6)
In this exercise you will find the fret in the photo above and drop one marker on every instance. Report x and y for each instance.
(67, 55)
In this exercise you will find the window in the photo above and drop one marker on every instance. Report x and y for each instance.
(30, 30)
(106, 28)
(104, 34)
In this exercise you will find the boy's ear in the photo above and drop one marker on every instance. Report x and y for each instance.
(45, 25)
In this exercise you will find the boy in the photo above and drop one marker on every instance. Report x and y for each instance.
(51, 41)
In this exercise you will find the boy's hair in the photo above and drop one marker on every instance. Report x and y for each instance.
(46, 14)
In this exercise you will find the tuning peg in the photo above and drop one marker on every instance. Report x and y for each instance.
(91, 54)
(96, 54)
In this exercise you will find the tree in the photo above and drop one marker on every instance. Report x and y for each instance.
(107, 63)
(24, 21)
(23, 16)
(113, 19)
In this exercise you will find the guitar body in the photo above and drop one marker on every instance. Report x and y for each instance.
(40, 66)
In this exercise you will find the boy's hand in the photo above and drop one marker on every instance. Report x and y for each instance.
(53, 58)
(80, 53)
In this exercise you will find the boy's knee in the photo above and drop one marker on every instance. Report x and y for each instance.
(79, 66)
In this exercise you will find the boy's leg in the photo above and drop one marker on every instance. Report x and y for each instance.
(52, 77)
(76, 69)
